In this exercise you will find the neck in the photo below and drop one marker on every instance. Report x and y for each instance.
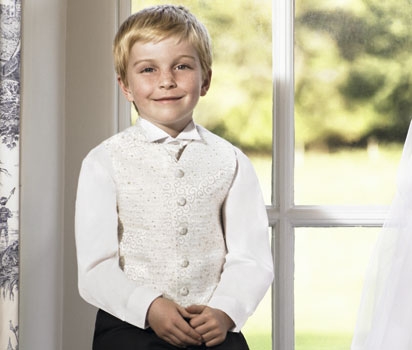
(174, 129)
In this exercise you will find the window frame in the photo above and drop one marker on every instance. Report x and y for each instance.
(284, 216)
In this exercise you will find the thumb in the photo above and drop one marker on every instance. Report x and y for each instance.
(195, 309)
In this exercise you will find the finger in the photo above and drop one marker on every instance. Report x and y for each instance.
(206, 329)
(211, 334)
(170, 339)
(198, 321)
(215, 341)
(184, 327)
(187, 339)
(183, 312)
(174, 341)
(195, 309)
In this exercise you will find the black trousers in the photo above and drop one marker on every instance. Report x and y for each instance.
(113, 334)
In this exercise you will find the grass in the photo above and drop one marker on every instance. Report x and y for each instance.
(327, 294)
(348, 176)
(322, 341)
(259, 341)
(303, 341)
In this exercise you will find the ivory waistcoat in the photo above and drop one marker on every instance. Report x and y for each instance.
(170, 225)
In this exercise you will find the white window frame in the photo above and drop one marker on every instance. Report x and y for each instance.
(284, 215)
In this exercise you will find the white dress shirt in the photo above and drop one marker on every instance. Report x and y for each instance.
(248, 268)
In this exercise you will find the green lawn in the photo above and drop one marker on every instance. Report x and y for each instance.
(322, 341)
(327, 294)
(259, 341)
(303, 341)
(348, 176)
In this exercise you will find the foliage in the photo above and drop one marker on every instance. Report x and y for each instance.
(353, 70)
(9, 272)
(9, 77)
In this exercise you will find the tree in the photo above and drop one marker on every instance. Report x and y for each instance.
(356, 82)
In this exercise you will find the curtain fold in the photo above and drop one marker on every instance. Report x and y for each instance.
(385, 313)
(10, 24)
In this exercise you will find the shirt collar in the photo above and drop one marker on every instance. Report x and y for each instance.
(155, 134)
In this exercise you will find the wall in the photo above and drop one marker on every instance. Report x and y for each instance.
(69, 105)
(42, 174)
(91, 110)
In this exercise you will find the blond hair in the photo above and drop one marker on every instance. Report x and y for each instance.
(156, 23)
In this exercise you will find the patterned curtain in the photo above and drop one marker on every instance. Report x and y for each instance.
(10, 17)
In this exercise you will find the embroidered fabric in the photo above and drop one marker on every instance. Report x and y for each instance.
(385, 313)
(170, 230)
(175, 149)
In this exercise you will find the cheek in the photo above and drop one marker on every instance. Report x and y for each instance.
(188, 79)
(140, 90)
(194, 84)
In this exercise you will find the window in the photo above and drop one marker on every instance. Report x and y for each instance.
(337, 99)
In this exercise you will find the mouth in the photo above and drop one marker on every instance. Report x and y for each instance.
(168, 99)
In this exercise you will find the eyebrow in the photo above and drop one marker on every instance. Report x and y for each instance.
(151, 60)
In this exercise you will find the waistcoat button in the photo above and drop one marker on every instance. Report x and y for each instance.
(183, 231)
(185, 263)
(184, 291)
(181, 201)
(179, 173)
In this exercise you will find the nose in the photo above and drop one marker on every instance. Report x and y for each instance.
(167, 80)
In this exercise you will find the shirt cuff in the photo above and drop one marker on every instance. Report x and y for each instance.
(232, 308)
(138, 305)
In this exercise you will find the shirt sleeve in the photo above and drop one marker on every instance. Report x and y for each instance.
(248, 269)
(102, 283)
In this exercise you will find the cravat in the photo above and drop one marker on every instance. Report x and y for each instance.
(175, 148)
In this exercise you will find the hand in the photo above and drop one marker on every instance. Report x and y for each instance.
(166, 319)
(212, 324)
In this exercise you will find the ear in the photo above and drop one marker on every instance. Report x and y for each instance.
(206, 83)
(126, 91)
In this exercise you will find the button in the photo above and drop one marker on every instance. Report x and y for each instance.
(185, 263)
(184, 291)
(183, 231)
(179, 173)
(181, 201)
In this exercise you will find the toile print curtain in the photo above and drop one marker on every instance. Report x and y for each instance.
(10, 17)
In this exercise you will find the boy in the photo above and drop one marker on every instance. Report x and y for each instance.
(171, 228)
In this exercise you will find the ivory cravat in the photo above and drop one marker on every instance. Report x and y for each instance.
(176, 148)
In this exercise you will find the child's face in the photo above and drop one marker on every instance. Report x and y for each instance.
(165, 82)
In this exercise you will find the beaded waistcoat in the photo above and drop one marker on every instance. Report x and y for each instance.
(170, 225)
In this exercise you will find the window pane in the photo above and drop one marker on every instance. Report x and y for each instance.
(353, 67)
(330, 264)
(258, 328)
(238, 105)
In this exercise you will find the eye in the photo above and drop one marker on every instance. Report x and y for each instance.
(182, 67)
(147, 70)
